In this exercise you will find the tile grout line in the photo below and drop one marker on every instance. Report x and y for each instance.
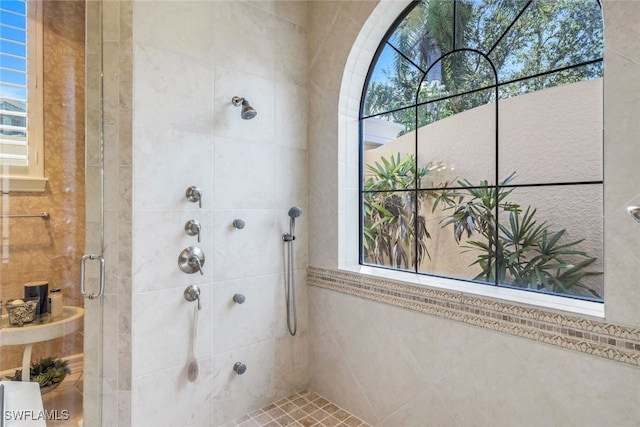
(305, 409)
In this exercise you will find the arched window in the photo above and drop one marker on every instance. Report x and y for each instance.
(481, 145)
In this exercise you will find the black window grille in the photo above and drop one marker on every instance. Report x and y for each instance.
(451, 79)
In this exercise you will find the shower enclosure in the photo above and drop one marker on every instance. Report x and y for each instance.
(49, 247)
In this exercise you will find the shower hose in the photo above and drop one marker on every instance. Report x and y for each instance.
(290, 292)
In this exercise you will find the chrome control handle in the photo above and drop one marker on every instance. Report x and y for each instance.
(83, 292)
(193, 227)
(194, 194)
(192, 293)
(191, 260)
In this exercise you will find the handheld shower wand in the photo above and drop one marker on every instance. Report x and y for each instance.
(290, 292)
(293, 213)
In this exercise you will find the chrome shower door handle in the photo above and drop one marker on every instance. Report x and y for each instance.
(83, 261)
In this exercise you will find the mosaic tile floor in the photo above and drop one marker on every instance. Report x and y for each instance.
(302, 409)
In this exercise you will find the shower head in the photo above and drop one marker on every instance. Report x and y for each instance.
(248, 112)
(295, 212)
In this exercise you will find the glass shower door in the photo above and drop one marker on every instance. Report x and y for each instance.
(45, 234)
(92, 263)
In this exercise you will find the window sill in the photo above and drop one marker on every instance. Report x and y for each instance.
(23, 184)
(553, 302)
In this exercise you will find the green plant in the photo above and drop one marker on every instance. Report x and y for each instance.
(392, 224)
(46, 372)
(523, 252)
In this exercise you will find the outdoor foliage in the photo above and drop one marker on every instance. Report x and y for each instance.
(392, 223)
(546, 38)
(523, 252)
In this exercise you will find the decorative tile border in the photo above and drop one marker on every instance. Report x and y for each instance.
(609, 341)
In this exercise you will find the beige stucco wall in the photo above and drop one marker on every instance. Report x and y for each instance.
(552, 135)
(395, 367)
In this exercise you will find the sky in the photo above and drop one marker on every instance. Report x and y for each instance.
(13, 37)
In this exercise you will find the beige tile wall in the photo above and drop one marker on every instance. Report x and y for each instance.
(394, 367)
(189, 59)
(403, 368)
(117, 64)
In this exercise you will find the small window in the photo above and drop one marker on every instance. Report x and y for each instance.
(21, 118)
(481, 145)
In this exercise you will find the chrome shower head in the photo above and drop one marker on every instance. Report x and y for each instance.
(248, 112)
(295, 212)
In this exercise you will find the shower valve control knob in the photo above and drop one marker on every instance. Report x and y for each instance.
(194, 194)
(238, 298)
(192, 228)
(240, 368)
(192, 293)
(191, 260)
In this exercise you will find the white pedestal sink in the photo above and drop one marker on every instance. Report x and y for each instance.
(40, 330)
